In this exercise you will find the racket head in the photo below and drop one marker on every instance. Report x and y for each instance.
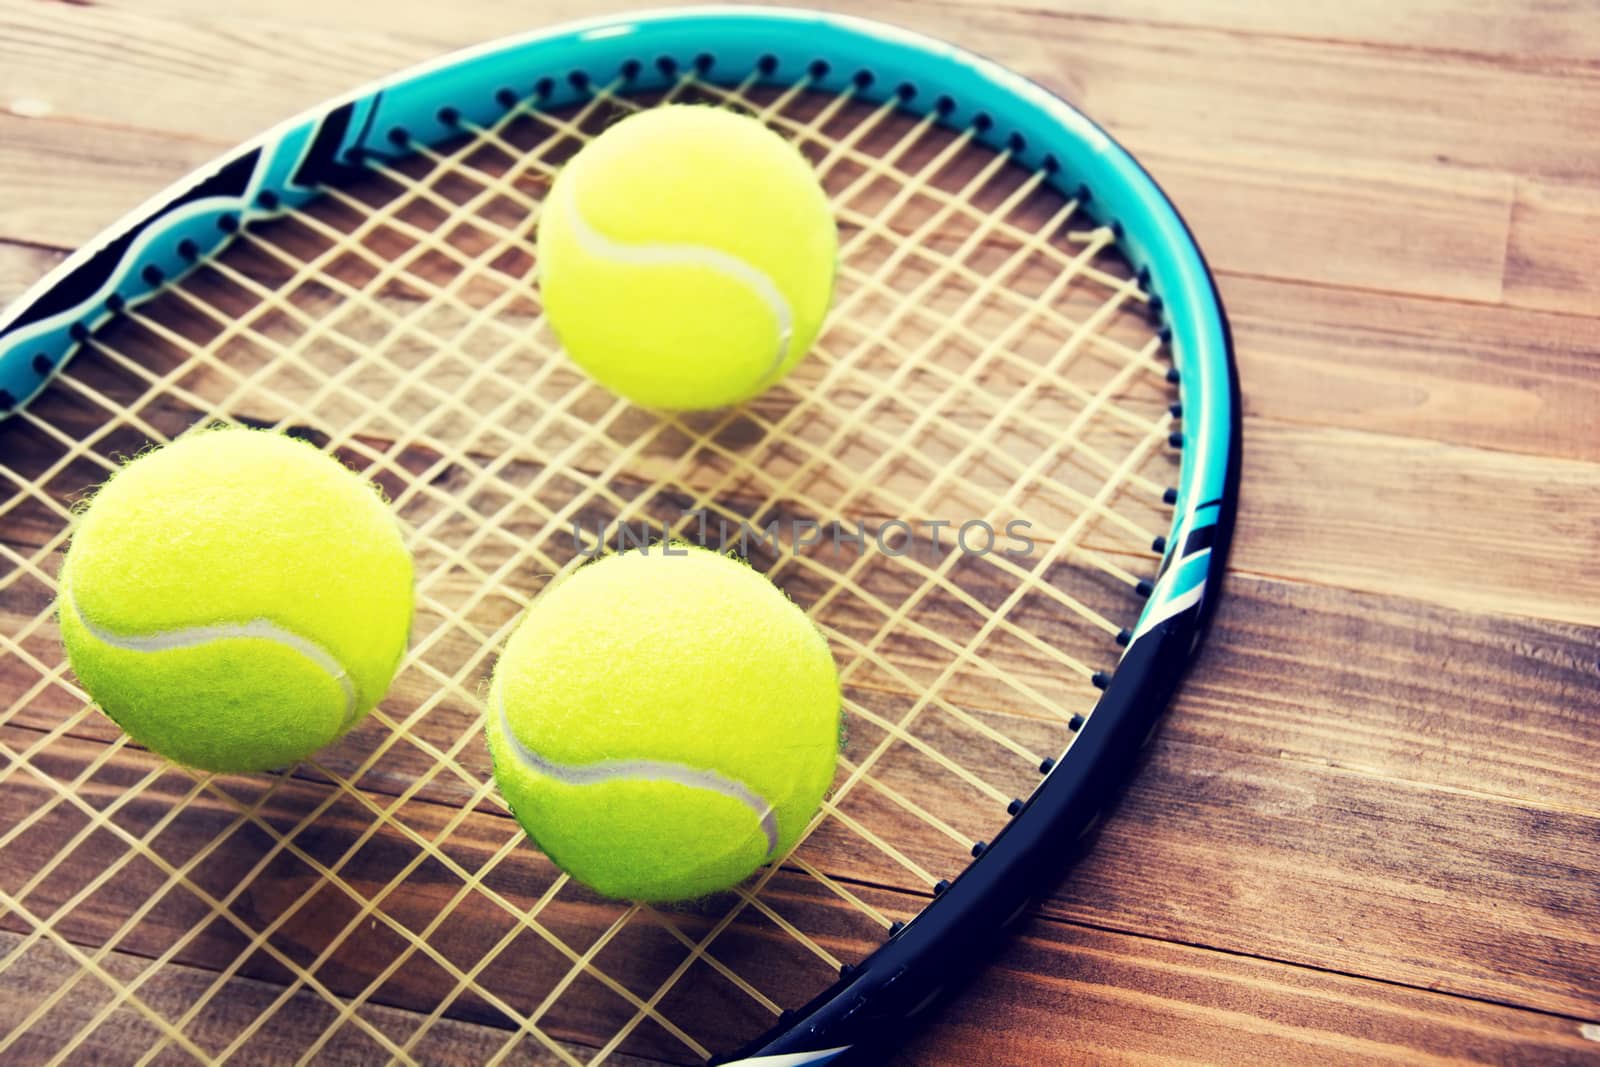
(386, 128)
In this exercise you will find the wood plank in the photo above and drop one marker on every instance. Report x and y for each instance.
(281, 1037)
(1436, 232)
(1554, 256)
(210, 66)
(1260, 92)
(1492, 377)
(1433, 231)
(1376, 513)
(1274, 94)
(1074, 988)
(1557, 36)
(1069, 995)
(1443, 234)
(1292, 208)
(1190, 998)
(1277, 680)
(1340, 833)
(1437, 229)
(1384, 686)
(215, 76)
(1495, 378)
(63, 182)
(1385, 514)
(412, 871)
(1368, 512)
(1487, 376)
(22, 265)
(1342, 870)
(1468, 528)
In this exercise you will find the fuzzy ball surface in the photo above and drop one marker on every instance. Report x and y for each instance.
(687, 257)
(236, 599)
(662, 725)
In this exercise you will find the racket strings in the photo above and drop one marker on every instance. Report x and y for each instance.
(1003, 366)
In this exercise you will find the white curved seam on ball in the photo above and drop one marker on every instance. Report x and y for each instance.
(194, 636)
(661, 254)
(648, 770)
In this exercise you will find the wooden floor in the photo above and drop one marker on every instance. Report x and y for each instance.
(1371, 827)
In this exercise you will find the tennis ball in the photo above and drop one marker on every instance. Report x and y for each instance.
(662, 725)
(687, 257)
(236, 599)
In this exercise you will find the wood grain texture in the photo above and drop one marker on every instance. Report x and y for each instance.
(256, 884)
(128, 1035)
(1465, 527)
(1555, 231)
(1422, 887)
(1396, 227)
(1432, 106)
(1368, 830)
(1127, 1000)
(1426, 190)
(1486, 376)
(1459, 700)
(22, 265)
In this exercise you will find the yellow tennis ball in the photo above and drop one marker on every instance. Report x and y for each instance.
(236, 599)
(662, 725)
(687, 257)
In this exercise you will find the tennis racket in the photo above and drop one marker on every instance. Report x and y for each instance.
(1025, 340)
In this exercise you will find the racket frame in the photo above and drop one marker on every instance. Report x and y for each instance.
(194, 219)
